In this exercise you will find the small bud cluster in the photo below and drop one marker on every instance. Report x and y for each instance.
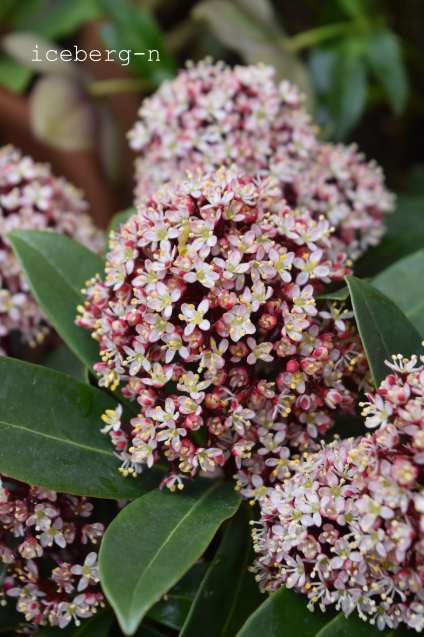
(347, 527)
(31, 198)
(208, 315)
(211, 115)
(39, 525)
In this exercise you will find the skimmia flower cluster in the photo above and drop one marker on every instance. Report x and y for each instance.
(208, 317)
(347, 526)
(211, 115)
(40, 523)
(31, 198)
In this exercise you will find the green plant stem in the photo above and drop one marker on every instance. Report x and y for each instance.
(101, 88)
(321, 34)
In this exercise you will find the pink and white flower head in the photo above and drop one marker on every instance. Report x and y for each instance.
(32, 198)
(240, 353)
(345, 525)
(211, 114)
(48, 528)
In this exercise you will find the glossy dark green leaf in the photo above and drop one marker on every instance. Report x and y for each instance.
(384, 56)
(50, 434)
(62, 359)
(174, 607)
(137, 30)
(229, 592)
(13, 75)
(97, 626)
(403, 283)
(348, 88)
(57, 268)
(155, 540)
(118, 218)
(405, 235)
(285, 614)
(383, 327)
(9, 617)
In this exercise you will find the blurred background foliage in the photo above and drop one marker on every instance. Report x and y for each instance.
(358, 62)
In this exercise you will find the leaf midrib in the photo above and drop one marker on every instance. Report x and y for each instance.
(64, 441)
(192, 509)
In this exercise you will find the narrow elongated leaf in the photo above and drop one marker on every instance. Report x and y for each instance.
(348, 88)
(56, 269)
(173, 608)
(339, 295)
(229, 592)
(285, 614)
(383, 327)
(13, 75)
(403, 283)
(97, 626)
(62, 359)
(155, 540)
(49, 434)
(384, 56)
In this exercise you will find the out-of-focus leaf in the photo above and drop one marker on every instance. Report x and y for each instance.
(383, 327)
(50, 434)
(21, 46)
(61, 113)
(118, 218)
(348, 89)
(174, 607)
(154, 541)
(63, 359)
(109, 145)
(339, 295)
(229, 592)
(6, 7)
(97, 626)
(62, 18)
(13, 75)
(136, 29)
(354, 8)
(403, 283)
(254, 41)
(405, 235)
(385, 58)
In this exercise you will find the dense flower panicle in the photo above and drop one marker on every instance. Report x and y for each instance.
(211, 115)
(40, 523)
(31, 198)
(208, 316)
(346, 526)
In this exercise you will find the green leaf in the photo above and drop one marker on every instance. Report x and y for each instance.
(405, 234)
(354, 8)
(403, 283)
(97, 626)
(62, 359)
(137, 30)
(120, 217)
(349, 86)
(383, 327)
(13, 75)
(56, 268)
(285, 614)
(155, 540)
(9, 617)
(173, 610)
(50, 435)
(385, 59)
(229, 592)
(339, 295)
(63, 17)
